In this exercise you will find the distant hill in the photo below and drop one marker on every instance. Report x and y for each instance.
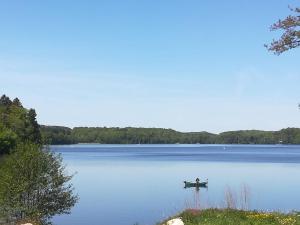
(19, 125)
(130, 135)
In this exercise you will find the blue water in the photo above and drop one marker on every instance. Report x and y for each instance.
(128, 184)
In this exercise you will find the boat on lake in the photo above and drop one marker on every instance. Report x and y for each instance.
(198, 184)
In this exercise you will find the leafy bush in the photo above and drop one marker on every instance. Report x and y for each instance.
(33, 185)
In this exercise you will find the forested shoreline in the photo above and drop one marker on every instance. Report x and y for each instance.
(59, 135)
(18, 124)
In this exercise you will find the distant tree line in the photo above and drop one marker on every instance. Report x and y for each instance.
(64, 135)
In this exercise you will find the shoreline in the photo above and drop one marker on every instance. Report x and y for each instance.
(173, 144)
(228, 216)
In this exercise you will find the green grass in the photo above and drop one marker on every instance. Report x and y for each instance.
(237, 217)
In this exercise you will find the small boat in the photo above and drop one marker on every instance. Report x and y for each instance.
(195, 184)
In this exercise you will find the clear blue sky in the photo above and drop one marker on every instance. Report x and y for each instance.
(187, 65)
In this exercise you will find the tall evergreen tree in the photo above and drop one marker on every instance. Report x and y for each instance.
(17, 103)
(5, 101)
(33, 127)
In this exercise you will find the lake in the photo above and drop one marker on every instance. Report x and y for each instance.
(130, 184)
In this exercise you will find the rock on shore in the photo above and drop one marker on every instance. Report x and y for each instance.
(176, 221)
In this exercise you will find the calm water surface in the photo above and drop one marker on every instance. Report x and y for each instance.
(128, 184)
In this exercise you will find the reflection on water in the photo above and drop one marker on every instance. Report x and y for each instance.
(125, 184)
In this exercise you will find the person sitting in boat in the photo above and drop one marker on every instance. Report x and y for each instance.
(197, 180)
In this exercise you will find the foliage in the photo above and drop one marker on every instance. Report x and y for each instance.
(57, 135)
(33, 185)
(233, 217)
(130, 135)
(116, 135)
(17, 124)
(291, 33)
(8, 140)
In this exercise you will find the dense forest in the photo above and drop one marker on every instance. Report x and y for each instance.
(130, 135)
(17, 125)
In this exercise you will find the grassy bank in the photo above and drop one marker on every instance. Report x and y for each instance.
(237, 217)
